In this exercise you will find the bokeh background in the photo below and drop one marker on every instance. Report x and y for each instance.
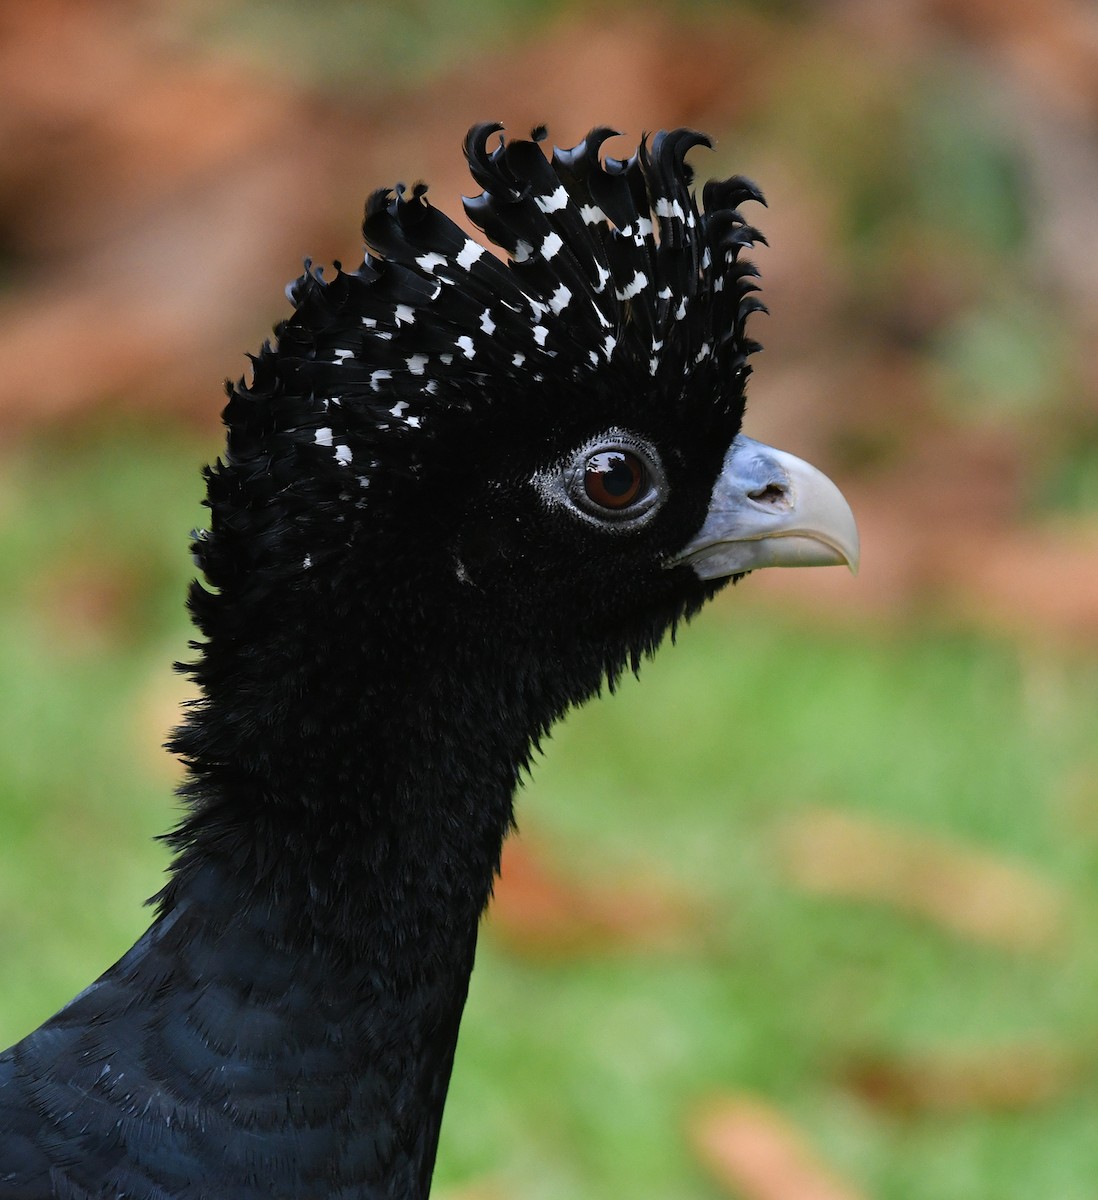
(810, 911)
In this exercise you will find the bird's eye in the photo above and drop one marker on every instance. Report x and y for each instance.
(614, 479)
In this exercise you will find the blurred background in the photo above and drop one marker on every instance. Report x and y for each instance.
(808, 912)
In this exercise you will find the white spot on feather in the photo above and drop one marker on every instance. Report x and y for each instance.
(486, 322)
(343, 355)
(552, 203)
(417, 364)
(559, 300)
(465, 345)
(378, 377)
(644, 225)
(405, 314)
(323, 437)
(470, 252)
(540, 334)
(635, 285)
(522, 251)
(428, 262)
(343, 455)
(680, 312)
(669, 208)
(518, 360)
(551, 245)
(592, 214)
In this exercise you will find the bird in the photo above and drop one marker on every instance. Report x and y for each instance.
(463, 490)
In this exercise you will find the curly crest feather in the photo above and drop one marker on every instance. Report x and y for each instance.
(613, 280)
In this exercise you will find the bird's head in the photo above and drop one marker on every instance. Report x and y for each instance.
(542, 447)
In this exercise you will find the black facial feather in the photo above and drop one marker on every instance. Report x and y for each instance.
(376, 488)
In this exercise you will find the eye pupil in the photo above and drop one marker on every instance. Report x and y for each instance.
(617, 477)
(613, 478)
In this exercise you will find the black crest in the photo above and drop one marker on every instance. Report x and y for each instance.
(614, 281)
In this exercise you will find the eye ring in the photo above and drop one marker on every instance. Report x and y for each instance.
(613, 479)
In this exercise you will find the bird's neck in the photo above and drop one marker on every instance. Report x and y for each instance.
(333, 1062)
(349, 829)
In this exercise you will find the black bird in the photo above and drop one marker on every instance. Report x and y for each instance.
(460, 494)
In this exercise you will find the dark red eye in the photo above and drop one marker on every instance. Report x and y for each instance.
(614, 478)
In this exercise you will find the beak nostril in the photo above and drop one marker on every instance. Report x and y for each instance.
(773, 493)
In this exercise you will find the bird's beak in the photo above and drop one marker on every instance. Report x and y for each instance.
(769, 509)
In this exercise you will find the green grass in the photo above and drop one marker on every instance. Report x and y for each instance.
(575, 1078)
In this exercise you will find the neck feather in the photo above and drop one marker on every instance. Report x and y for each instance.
(347, 811)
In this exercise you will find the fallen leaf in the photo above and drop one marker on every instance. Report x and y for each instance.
(540, 913)
(1005, 1079)
(967, 891)
(481, 1189)
(757, 1153)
